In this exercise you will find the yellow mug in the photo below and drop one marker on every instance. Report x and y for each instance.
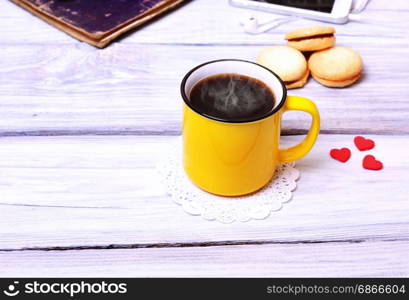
(236, 158)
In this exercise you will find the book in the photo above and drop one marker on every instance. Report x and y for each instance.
(97, 22)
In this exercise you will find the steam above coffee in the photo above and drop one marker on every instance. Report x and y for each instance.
(232, 97)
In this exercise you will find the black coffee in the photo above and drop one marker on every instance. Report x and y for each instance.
(232, 97)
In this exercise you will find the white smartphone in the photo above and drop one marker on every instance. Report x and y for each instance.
(333, 11)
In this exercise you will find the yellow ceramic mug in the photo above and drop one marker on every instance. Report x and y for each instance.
(237, 158)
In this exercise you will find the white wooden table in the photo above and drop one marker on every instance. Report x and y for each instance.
(81, 129)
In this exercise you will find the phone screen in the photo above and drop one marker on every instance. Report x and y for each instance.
(317, 5)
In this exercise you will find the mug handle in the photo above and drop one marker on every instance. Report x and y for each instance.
(300, 150)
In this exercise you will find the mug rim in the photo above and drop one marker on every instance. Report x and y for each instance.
(246, 120)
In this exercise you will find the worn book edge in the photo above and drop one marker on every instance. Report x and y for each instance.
(100, 39)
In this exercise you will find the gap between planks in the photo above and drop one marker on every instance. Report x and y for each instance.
(201, 244)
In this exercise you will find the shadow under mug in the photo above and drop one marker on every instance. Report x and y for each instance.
(233, 158)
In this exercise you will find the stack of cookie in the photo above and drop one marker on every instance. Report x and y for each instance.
(331, 66)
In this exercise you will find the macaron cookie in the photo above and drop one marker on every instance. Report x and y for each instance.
(312, 38)
(288, 63)
(336, 67)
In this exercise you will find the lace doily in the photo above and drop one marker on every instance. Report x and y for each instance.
(224, 209)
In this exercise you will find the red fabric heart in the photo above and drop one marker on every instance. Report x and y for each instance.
(363, 144)
(370, 163)
(340, 154)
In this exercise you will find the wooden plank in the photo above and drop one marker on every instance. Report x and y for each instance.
(86, 191)
(134, 89)
(220, 25)
(370, 259)
(97, 25)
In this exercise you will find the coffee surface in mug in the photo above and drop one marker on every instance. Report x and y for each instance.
(232, 97)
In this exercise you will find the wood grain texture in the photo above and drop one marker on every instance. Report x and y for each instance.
(86, 191)
(370, 259)
(219, 25)
(134, 89)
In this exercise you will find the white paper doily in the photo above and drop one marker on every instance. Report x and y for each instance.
(224, 209)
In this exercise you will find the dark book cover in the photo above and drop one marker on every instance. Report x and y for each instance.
(97, 22)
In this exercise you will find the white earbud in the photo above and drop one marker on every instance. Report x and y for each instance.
(252, 26)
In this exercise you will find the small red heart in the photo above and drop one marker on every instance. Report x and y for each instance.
(341, 154)
(370, 163)
(363, 144)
